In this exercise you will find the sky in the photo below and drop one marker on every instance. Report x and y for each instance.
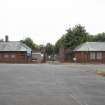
(47, 20)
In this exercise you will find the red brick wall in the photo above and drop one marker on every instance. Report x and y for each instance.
(83, 57)
(20, 57)
(103, 54)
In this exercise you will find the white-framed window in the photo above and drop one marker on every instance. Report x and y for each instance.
(99, 55)
(6, 56)
(92, 55)
(13, 56)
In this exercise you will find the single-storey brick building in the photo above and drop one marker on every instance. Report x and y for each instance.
(14, 52)
(92, 52)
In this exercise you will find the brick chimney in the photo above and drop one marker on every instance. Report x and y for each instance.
(6, 38)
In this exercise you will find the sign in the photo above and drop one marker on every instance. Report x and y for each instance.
(29, 51)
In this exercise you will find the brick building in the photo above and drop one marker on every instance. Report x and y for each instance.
(65, 55)
(92, 52)
(14, 52)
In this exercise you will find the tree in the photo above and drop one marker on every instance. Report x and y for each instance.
(59, 44)
(49, 49)
(90, 38)
(74, 37)
(29, 42)
(100, 37)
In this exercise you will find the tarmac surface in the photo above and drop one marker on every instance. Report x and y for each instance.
(51, 84)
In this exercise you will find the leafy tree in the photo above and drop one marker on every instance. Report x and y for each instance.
(59, 44)
(49, 49)
(74, 37)
(90, 38)
(29, 42)
(100, 37)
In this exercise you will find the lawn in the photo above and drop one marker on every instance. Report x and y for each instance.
(101, 72)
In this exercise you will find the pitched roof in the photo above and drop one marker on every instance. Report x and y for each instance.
(13, 46)
(91, 46)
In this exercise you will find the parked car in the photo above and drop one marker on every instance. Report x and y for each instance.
(37, 57)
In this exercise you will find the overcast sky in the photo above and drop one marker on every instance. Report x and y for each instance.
(46, 20)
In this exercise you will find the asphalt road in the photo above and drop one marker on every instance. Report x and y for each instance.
(48, 84)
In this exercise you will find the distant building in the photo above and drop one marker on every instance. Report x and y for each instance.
(92, 52)
(38, 55)
(14, 52)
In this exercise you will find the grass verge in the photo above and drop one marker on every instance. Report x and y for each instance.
(53, 62)
(101, 72)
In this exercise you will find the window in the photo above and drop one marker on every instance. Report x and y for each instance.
(13, 56)
(92, 55)
(99, 55)
(6, 56)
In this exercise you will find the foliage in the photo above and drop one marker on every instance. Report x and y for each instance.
(49, 49)
(29, 42)
(90, 38)
(75, 36)
(100, 37)
(59, 44)
(72, 38)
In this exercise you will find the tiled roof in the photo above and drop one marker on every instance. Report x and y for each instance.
(91, 46)
(13, 46)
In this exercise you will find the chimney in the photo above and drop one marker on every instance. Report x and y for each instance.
(6, 38)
